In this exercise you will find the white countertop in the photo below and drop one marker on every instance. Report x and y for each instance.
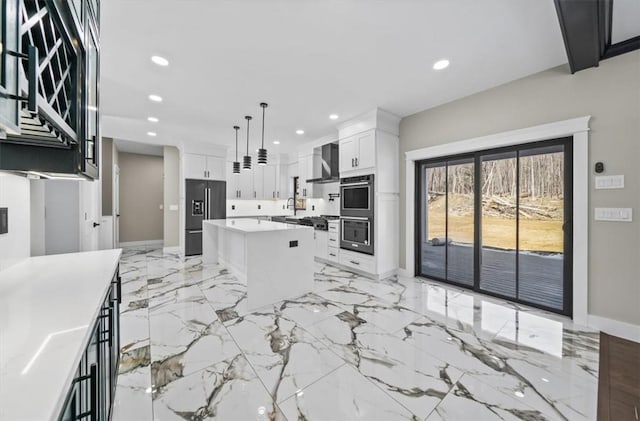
(48, 305)
(245, 225)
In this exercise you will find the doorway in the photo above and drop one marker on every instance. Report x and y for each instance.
(499, 222)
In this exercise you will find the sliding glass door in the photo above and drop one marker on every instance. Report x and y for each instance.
(447, 235)
(508, 233)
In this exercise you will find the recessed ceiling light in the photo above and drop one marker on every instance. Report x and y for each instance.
(153, 119)
(152, 134)
(334, 116)
(155, 98)
(160, 61)
(276, 142)
(299, 131)
(441, 64)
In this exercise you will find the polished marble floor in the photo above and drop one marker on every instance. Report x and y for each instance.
(352, 349)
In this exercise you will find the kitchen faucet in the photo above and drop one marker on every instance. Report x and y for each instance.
(293, 203)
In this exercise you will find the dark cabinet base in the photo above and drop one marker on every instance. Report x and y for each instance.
(619, 379)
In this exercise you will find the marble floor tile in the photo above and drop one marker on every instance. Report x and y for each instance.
(285, 356)
(133, 391)
(306, 310)
(344, 395)
(227, 295)
(134, 328)
(228, 390)
(411, 376)
(353, 348)
(473, 400)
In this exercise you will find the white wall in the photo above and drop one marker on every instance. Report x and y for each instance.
(37, 217)
(15, 195)
(62, 228)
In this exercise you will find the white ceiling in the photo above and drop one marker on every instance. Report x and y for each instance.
(307, 59)
(625, 22)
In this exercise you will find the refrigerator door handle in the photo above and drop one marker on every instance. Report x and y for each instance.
(207, 198)
(194, 231)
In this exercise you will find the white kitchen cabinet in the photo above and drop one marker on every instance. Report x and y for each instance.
(308, 168)
(245, 184)
(269, 181)
(239, 186)
(358, 152)
(285, 183)
(204, 167)
(258, 182)
(321, 240)
(232, 181)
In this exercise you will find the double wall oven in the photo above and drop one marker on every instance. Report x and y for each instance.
(356, 213)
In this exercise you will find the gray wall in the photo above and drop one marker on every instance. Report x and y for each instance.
(171, 196)
(141, 186)
(611, 95)
(107, 176)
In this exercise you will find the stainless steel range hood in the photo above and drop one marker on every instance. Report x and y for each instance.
(330, 169)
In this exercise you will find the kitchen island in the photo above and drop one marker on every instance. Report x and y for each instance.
(59, 336)
(275, 260)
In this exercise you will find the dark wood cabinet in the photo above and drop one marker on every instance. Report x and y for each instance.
(619, 379)
(57, 100)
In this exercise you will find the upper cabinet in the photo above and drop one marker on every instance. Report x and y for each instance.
(9, 61)
(262, 182)
(358, 152)
(204, 167)
(49, 98)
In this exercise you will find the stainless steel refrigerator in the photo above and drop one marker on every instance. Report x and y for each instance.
(205, 200)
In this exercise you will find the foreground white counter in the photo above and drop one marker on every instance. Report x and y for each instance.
(274, 259)
(48, 305)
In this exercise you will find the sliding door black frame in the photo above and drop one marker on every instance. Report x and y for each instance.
(567, 226)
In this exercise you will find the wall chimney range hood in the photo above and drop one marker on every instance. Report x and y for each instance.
(330, 169)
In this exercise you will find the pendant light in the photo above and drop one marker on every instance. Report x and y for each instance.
(236, 163)
(246, 160)
(262, 152)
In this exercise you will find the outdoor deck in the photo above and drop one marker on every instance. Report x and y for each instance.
(541, 276)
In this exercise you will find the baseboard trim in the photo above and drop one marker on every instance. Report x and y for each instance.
(404, 273)
(615, 327)
(141, 243)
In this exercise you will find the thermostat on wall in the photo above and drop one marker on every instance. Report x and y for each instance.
(4, 220)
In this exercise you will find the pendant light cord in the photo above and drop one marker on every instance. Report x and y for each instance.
(236, 128)
(248, 120)
(263, 108)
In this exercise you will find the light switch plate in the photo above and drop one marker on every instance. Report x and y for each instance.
(173, 207)
(609, 182)
(614, 214)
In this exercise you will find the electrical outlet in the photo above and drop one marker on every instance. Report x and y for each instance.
(609, 182)
(313, 207)
(233, 207)
(613, 214)
(259, 206)
(4, 220)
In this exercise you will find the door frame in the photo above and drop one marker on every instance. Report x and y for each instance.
(476, 159)
(578, 128)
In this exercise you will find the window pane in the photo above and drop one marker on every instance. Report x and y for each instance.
(541, 236)
(498, 232)
(460, 220)
(434, 213)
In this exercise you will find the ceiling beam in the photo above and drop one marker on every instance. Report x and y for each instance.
(586, 29)
(580, 26)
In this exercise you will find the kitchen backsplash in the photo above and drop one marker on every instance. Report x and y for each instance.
(279, 207)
